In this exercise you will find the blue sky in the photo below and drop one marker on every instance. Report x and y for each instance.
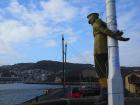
(30, 30)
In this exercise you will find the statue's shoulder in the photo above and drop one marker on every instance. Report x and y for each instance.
(100, 22)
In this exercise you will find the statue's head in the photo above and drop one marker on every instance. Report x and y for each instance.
(92, 17)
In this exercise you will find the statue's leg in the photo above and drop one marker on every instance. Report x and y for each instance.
(101, 67)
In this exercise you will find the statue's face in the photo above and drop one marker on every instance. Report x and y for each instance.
(92, 17)
(92, 20)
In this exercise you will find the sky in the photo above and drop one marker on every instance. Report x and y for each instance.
(31, 30)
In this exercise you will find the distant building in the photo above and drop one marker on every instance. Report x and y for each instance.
(58, 79)
(89, 76)
(9, 79)
(43, 78)
(89, 73)
(132, 82)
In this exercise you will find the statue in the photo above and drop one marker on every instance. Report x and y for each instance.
(101, 32)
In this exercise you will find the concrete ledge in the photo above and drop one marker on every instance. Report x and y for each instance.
(83, 101)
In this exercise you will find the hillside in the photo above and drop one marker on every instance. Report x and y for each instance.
(46, 65)
(49, 70)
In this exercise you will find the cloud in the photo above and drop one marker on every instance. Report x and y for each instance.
(77, 56)
(12, 31)
(46, 20)
(59, 10)
(71, 35)
(127, 21)
(50, 43)
(20, 24)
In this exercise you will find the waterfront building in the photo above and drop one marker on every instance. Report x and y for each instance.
(10, 79)
(132, 82)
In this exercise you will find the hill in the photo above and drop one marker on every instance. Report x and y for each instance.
(49, 70)
(46, 65)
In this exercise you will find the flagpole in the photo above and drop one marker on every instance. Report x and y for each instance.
(115, 83)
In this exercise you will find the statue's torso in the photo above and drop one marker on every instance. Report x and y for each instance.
(100, 39)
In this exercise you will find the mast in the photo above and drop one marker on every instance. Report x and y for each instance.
(115, 84)
(65, 53)
(63, 63)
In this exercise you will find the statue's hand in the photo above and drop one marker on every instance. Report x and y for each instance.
(125, 39)
(122, 39)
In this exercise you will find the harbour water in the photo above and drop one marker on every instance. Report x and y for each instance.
(11, 94)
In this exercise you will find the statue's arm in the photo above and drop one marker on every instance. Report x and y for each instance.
(103, 29)
(116, 35)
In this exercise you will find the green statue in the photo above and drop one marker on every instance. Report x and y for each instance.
(101, 32)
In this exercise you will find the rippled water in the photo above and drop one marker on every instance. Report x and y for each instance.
(11, 94)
